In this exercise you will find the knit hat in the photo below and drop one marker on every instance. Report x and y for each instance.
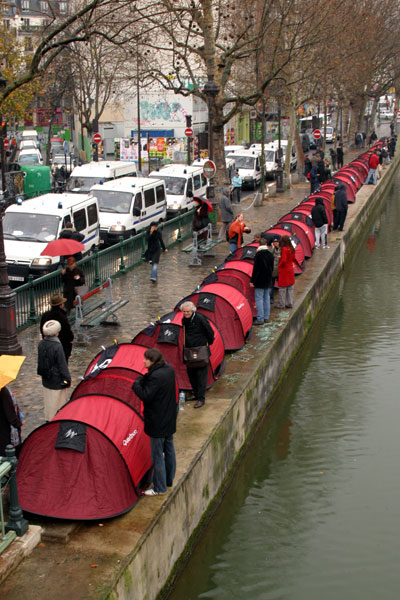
(51, 328)
(57, 299)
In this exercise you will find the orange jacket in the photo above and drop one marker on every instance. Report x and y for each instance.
(236, 232)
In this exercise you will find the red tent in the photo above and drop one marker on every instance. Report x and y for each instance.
(167, 335)
(230, 310)
(298, 216)
(298, 249)
(327, 204)
(92, 460)
(302, 231)
(239, 279)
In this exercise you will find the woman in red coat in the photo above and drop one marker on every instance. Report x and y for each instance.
(286, 273)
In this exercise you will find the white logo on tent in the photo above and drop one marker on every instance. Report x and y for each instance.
(130, 437)
(71, 434)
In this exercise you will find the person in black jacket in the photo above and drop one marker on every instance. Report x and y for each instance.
(53, 369)
(155, 244)
(158, 392)
(69, 233)
(200, 218)
(341, 205)
(261, 279)
(198, 332)
(320, 220)
(58, 313)
(71, 277)
(340, 156)
(9, 416)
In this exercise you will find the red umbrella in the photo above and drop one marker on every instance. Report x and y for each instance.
(62, 247)
(204, 201)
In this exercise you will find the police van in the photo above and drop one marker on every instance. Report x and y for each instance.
(181, 184)
(129, 205)
(31, 225)
(271, 156)
(86, 176)
(248, 163)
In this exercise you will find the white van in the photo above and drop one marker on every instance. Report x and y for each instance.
(248, 163)
(29, 226)
(129, 205)
(179, 181)
(271, 156)
(86, 176)
(234, 148)
(30, 134)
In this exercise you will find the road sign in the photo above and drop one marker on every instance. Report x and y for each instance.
(398, 115)
(188, 132)
(6, 144)
(317, 134)
(97, 138)
(209, 169)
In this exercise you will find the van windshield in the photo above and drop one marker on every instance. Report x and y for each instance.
(175, 186)
(113, 201)
(244, 162)
(28, 159)
(269, 156)
(30, 227)
(83, 184)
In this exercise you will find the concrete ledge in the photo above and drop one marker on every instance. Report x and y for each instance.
(19, 549)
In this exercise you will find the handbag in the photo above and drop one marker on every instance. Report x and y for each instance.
(195, 357)
(81, 290)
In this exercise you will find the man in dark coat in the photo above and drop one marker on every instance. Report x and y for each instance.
(261, 279)
(198, 332)
(71, 277)
(341, 205)
(340, 156)
(155, 244)
(320, 220)
(314, 180)
(157, 390)
(9, 415)
(53, 369)
(227, 215)
(58, 313)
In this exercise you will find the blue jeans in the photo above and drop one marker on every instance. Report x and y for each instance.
(154, 269)
(262, 297)
(232, 246)
(374, 173)
(164, 462)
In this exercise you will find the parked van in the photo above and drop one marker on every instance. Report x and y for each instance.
(234, 148)
(30, 134)
(179, 181)
(86, 176)
(29, 226)
(271, 156)
(129, 205)
(248, 163)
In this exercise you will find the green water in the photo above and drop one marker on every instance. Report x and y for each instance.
(313, 510)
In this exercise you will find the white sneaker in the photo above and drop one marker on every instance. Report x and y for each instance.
(326, 246)
(154, 493)
(317, 247)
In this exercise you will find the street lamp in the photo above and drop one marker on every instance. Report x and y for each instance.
(279, 171)
(211, 90)
(8, 332)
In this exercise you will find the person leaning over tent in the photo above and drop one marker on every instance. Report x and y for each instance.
(157, 390)
(72, 277)
(235, 232)
(155, 244)
(286, 273)
(53, 369)
(197, 333)
(261, 280)
(58, 313)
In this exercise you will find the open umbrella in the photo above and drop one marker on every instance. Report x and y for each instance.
(204, 201)
(9, 367)
(62, 247)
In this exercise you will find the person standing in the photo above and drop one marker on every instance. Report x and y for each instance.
(58, 313)
(155, 244)
(320, 220)
(53, 369)
(372, 138)
(197, 332)
(276, 253)
(227, 215)
(314, 180)
(307, 166)
(237, 186)
(200, 218)
(341, 205)
(10, 417)
(71, 277)
(373, 163)
(333, 154)
(158, 392)
(69, 233)
(235, 232)
(261, 280)
(340, 156)
(286, 273)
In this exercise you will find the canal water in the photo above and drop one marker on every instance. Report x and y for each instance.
(313, 511)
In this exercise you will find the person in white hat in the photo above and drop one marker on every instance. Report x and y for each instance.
(53, 369)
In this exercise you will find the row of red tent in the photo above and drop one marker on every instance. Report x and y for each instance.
(92, 460)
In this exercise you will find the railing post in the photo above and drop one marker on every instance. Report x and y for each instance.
(16, 521)
(179, 238)
(122, 268)
(32, 311)
(96, 268)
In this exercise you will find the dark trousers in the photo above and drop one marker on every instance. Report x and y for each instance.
(164, 462)
(198, 381)
(236, 195)
(340, 217)
(339, 162)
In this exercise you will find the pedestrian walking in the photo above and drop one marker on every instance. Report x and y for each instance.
(226, 211)
(53, 369)
(235, 232)
(341, 205)
(72, 278)
(197, 334)
(340, 156)
(155, 244)
(261, 280)
(58, 313)
(157, 390)
(373, 163)
(320, 220)
(237, 187)
(10, 421)
(392, 127)
(333, 154)
(286, 274)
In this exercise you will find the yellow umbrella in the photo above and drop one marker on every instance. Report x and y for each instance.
(9, 367)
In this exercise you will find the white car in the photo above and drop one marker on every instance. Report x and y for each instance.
(28, 145)
(29, 156)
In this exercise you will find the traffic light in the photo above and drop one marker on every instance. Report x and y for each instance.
(188, 120)
(94, 146)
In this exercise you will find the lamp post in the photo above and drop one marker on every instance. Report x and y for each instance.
(8, 332)
(279, 170)
(211, 90)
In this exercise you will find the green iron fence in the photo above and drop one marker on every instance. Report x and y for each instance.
(32, 298)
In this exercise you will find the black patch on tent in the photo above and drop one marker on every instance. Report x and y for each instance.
(149, 330)
(206, 301)
(168, 334)
(103, 361)
(71, 435)
(249, 252)
(287, 226)
(211, 278)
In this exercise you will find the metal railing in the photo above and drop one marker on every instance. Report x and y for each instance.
(16, 525)
(32, 298)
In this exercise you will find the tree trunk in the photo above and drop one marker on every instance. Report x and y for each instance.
(373, 113)
(345, 120)
(290, 139)
(221, 176)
